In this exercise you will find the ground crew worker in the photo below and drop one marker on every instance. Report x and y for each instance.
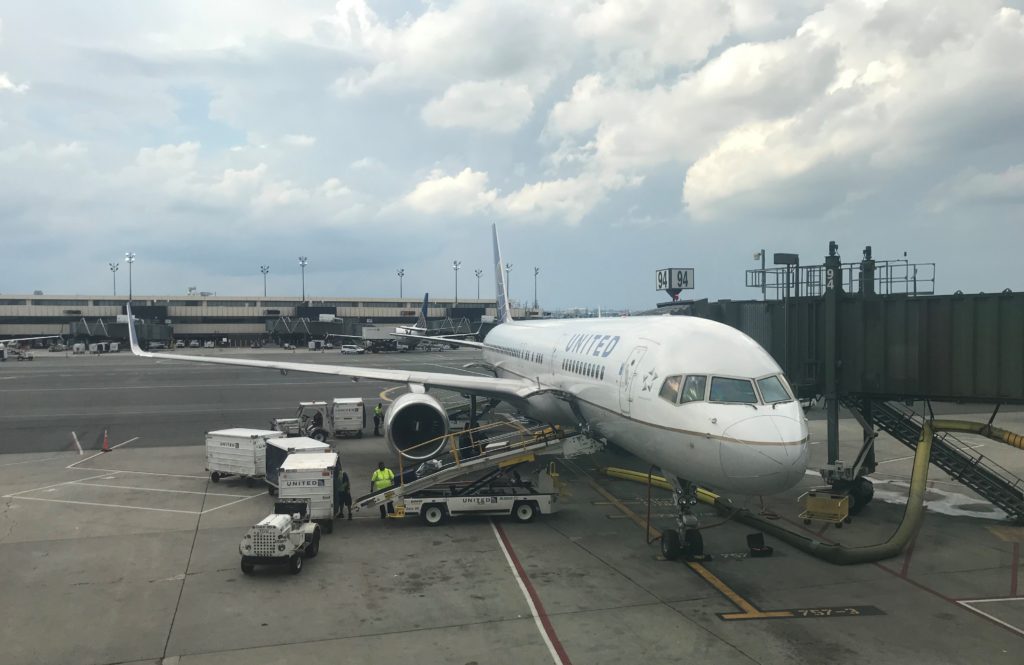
(382, 479)
(378, 418)
(344, 492)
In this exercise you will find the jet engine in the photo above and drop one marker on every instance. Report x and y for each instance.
(411, 421)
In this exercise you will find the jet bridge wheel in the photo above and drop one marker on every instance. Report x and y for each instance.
(433, 514)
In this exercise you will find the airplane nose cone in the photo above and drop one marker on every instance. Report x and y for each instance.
(767, 452)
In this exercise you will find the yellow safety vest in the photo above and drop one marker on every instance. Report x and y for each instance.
(382, 479)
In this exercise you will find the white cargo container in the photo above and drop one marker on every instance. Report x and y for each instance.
(238, 452)
(310, 477)
(279, 449)
(348, 416)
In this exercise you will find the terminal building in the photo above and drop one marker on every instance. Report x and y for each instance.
(239, 319)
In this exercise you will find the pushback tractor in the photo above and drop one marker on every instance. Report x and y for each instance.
(284, 538)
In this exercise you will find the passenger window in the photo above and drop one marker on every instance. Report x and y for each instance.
(670, 389)
(772, 390)
(732, 391)
(693, 389)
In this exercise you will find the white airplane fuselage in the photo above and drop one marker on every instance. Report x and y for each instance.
(613, 369)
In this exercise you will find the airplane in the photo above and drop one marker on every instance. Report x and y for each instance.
(698, 399)
(5, 344)
(414, 333)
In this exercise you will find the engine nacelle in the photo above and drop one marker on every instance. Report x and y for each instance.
(411, 421)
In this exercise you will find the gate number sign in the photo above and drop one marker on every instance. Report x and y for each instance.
(673, 278)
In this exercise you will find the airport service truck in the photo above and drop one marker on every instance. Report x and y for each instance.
(343, 417)
(238, 452)
(285, 537)
(280, 448)
(310, 478)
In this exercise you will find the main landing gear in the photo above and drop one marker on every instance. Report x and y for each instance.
(686, 542)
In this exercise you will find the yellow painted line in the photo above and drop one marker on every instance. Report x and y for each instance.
(384, 393)
(749, 611)
(1009, 534)
(739, 616)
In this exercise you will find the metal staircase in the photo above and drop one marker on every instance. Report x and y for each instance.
(963, 464)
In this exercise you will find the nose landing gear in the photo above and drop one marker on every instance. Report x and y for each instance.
(686, 542)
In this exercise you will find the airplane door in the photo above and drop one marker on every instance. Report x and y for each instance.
(628, 377)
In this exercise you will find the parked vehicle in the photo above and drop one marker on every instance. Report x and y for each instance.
(283, 538)
(180, 344)
(352, 348)
(194, 344)
(209, 344)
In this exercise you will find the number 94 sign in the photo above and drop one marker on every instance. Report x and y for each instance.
(673, 278)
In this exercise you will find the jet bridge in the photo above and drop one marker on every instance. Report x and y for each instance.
(872, 335)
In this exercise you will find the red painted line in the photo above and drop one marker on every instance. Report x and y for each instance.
(1014, 565)
(541, 612)
(906, 557)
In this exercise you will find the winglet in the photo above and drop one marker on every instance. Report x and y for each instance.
(504, 313)
(133, 338)
(421, 322)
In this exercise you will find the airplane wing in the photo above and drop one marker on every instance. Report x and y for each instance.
(479, 385)
(442, 338)
(26, 339)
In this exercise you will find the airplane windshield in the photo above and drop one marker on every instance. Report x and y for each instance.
(693, 389)
(772, 390)
(670, 389)
(733, 391)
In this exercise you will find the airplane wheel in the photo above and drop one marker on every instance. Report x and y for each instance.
(860, 494)
(215, 477)
(693, 544)
(671, 547)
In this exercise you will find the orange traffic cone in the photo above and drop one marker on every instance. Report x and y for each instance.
(106, 442)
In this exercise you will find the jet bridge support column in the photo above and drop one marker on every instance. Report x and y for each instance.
(833, 287)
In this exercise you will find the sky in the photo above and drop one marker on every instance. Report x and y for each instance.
(606, 139)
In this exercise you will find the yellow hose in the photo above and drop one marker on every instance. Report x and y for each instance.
(834, 552)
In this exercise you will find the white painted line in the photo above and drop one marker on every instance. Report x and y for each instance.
(46, 487)
(141, 473)
(969, 605)
(74, 437)
(210, 510)
(154, 489)
(992, 600)
(71, 466)
(106, 505)
(526, 594)
(161, 387)
(29, 461)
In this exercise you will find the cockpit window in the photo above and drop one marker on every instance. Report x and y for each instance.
(772, 390)
(693, 389)
(733, 391)
(670, 389)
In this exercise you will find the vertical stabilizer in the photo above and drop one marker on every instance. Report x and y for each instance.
(504, 312)
(421, 322)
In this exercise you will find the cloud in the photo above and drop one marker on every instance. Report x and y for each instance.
(500, 106)
(298, 140)
(6, 85)
(981, 188)
(462, 194)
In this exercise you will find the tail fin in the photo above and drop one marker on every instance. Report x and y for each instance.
(504, 313)
(421, 322)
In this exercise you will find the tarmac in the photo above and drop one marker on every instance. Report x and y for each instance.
(131, 556)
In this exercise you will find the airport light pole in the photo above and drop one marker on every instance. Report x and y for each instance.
(455, 266)
(113, 271)
(536, 271)
(264, 270)
(401, 273)
(478, 272)
(303, 261)
(764, 278)
(129, 258)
